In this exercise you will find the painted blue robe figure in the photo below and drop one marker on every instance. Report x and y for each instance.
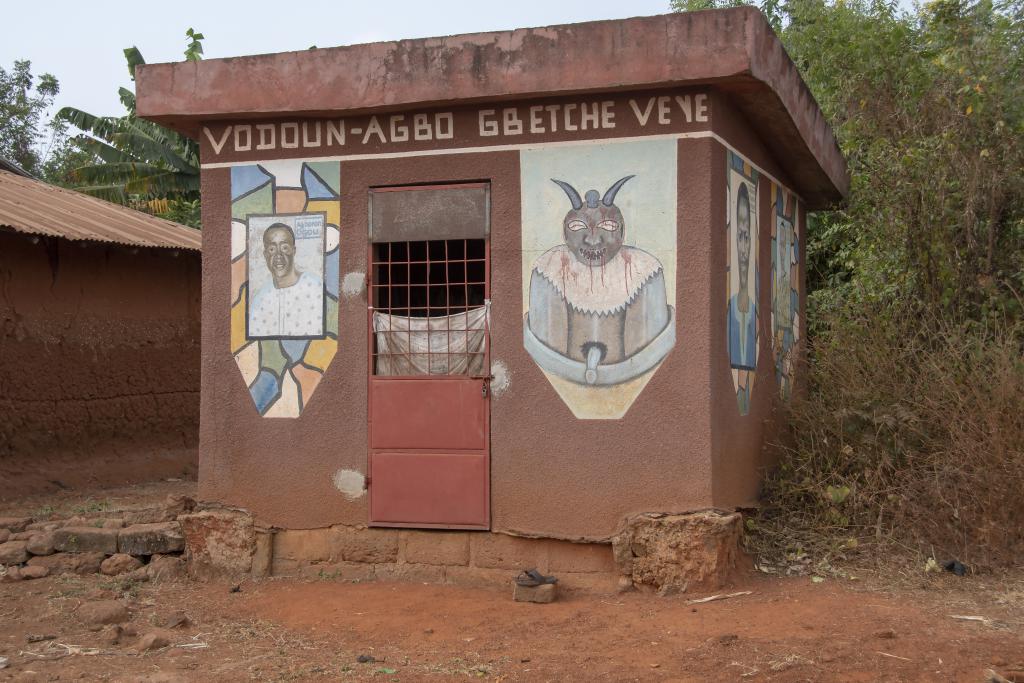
(599, 312)
(742, 313)
(785, 297)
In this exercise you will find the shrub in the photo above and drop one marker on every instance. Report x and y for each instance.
(910, 438)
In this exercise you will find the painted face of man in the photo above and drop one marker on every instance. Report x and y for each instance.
(279, 251)
(743, 234)
(594, 234)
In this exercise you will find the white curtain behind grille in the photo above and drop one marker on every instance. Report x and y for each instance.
(446, 345)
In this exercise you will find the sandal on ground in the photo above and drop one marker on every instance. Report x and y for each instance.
(532, 577)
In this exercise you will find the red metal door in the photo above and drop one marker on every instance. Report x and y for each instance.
(429, 359)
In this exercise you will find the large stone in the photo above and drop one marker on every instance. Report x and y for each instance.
(218, 542)
(119, 564)
(177, 504)
(5, 535)
(355, 544)
(34, 572)
(154, 640)
(173, 506)
(144, 516)
(69, 563)
(13, 552)
(41, 543)
(103, 612)
(15, 524)
(85, 539)
(165, 567)
(677, 552)
(448, 548)
(10, 574)
(151, 539)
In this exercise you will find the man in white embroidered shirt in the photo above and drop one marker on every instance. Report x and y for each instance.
(293, 306)
(598, 313)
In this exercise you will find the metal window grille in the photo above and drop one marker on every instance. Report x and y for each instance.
(429, 307)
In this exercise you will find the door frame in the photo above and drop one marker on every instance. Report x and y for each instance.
(483, 381)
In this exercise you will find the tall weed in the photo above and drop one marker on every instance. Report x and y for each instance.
(909, 439)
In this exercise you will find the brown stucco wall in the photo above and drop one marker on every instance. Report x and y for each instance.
(738, 451)
(99, 348)
(552, 475)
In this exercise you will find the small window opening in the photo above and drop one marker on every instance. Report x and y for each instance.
(429, 307)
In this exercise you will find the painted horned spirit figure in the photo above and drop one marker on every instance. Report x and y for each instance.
(598, 308)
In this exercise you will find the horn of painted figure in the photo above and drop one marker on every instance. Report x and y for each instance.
(609, 196)
(574, 196)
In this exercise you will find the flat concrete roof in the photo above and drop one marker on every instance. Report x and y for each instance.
(733, 49)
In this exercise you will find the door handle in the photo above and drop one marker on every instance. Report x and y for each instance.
(485, 384)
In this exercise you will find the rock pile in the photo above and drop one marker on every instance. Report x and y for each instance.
(143, 544)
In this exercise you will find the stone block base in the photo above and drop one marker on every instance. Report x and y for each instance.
(666, 552)
(344, 553)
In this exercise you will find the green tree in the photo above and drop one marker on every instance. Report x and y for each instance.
(909, 429)
(928, 109)
(138, 162)
(24, 100)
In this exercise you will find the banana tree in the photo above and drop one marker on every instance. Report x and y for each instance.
(136, 161)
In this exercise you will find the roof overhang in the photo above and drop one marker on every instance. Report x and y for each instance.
(734, 49)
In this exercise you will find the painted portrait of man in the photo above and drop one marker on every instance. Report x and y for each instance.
(290, 300)
(742, 305)
(785, 286)
(742, 269)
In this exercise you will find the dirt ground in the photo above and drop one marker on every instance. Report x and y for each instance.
(290, 630)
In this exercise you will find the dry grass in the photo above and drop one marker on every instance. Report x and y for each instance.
(908, 443)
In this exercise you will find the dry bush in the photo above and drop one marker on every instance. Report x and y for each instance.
(909, 439)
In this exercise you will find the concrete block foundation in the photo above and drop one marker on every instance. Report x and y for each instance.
(669, 553)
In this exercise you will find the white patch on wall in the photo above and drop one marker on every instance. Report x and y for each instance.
(351, 483)
(238, 236)
(502, 378)
(352, 284)
(331, 238)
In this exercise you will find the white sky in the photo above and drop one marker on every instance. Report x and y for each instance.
(81, 42)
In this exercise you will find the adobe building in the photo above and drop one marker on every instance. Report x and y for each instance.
(529, 283)
(99, 341)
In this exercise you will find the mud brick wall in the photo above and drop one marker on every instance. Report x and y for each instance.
(99, 346)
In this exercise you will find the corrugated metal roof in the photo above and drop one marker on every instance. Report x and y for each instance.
(8, 165)
(35, 207)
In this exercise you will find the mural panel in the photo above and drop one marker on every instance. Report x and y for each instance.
(284, 279)
(599, 261)
(741, 276)
(785, 285)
